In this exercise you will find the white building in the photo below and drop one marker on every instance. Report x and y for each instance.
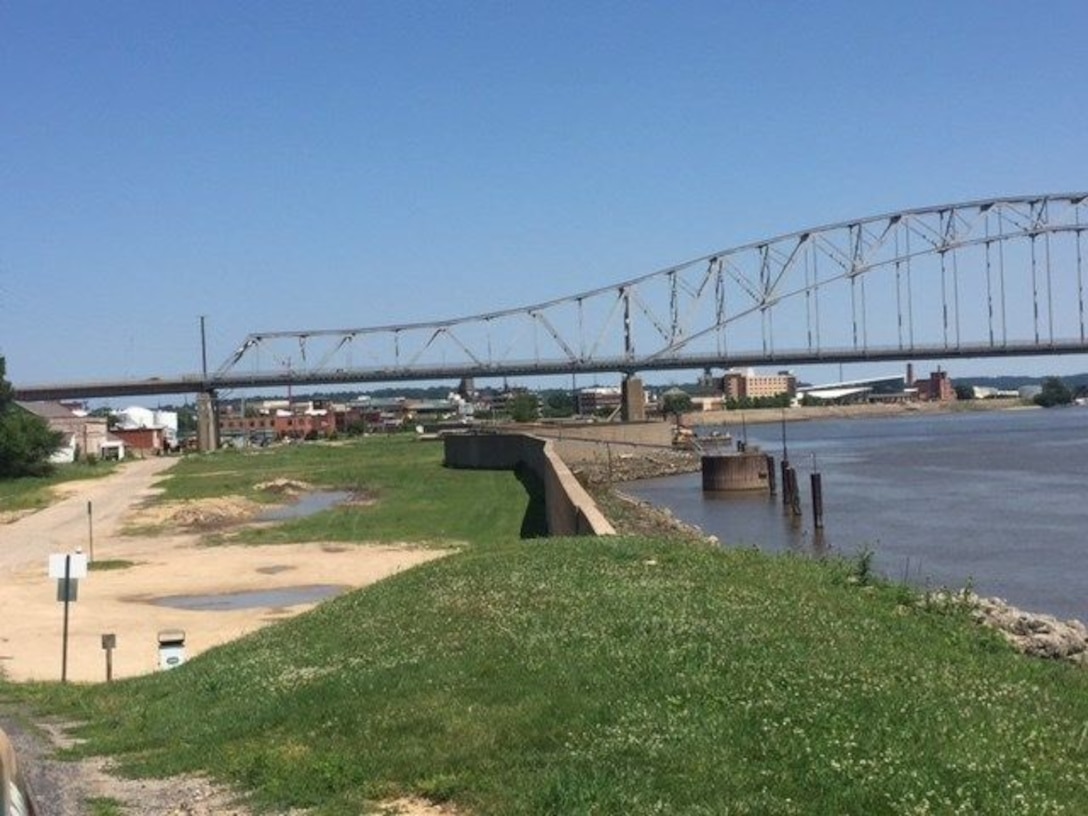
(136, 417)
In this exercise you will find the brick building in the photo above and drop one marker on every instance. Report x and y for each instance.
(298, 421)
(599, 399)
(148, 441)
(747, 384)
(937, 388)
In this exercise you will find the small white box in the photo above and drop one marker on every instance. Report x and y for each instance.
(171, 648)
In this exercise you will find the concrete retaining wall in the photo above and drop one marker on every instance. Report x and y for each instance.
(569, 509)
(595, 442)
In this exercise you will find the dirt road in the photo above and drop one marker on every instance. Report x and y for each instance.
(64, 526)
(122, 602)
(126, 602)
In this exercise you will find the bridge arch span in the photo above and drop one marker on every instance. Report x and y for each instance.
(1001, 276)
(990, 277)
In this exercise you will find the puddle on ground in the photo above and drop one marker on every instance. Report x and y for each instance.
(252, 599)
(307, 505)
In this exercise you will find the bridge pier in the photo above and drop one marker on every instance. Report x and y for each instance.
(207, 421)
(633, 400)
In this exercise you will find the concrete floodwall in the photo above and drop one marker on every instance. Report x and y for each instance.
(569, 509)
(594, 442)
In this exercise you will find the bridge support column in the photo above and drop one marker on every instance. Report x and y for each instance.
(207, 421)
(633, 405)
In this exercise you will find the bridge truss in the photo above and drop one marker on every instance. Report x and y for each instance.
(982, 278)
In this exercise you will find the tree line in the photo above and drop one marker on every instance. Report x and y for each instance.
(26, 442)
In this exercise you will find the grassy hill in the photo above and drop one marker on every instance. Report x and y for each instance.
(603, 676)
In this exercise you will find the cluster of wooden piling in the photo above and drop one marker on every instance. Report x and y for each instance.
(791, 493)
(751, 470)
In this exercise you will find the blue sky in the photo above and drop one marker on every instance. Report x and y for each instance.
(285, 165)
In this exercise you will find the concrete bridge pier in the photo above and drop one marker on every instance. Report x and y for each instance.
(633, 400)
(207, 421)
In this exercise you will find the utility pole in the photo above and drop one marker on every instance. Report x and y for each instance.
(203, 352)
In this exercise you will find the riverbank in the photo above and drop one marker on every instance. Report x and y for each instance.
(1034, 633)
(531, 676)
(806, 413)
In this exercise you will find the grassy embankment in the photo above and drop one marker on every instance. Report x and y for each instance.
(578, 676)
(36, 493)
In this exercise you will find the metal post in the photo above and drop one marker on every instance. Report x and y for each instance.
(817, 501)
(109, 641)
(785, 453)
(90, 533)
(67, 596)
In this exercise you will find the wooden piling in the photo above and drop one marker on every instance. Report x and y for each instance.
(794, 504)
(771, 477)
(817, 501)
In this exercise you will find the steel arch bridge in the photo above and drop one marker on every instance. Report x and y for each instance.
(999, 277)
(996, 277)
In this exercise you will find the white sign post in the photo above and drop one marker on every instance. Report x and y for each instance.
(67, 568)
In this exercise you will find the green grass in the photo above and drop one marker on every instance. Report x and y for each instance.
(621, 676)
(606, 676)
(109, 564)
(408, 495)
(105, 806)
(36, 493)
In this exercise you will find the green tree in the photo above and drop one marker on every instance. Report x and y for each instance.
(7, 393)
(559, 404)
(965, 392)
(1055, 392)
(26, 443)
(675, 403)
(524, 407)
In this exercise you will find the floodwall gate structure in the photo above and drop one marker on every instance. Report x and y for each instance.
(1001, 277)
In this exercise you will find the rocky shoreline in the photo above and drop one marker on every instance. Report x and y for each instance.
(628, 467)
(1031, 633)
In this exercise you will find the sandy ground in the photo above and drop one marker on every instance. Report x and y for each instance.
(119, 601)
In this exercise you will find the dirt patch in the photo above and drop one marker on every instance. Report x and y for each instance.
(69, 786)
(196, 514)
(11, 516)
(415, 807)
(644, 465)
(284, 487)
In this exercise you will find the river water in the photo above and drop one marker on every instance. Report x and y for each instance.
(997, 500)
